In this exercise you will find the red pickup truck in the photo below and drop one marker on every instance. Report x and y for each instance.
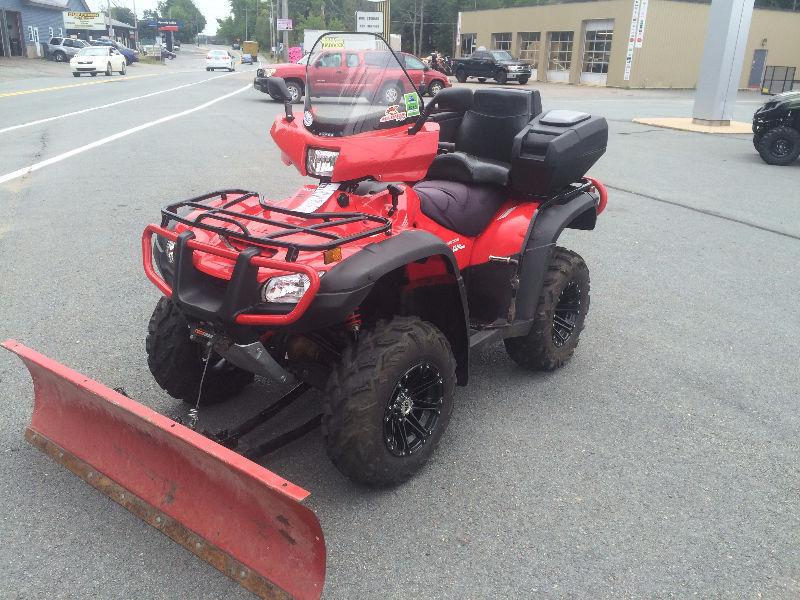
(369, 73)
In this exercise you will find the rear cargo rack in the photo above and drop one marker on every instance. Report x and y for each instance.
(319, 225)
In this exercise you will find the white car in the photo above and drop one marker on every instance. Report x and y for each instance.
(98, 59)
(220, 59)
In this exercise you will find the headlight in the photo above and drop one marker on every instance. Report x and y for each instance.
(286, 288)
(320, 162)
(269, 72)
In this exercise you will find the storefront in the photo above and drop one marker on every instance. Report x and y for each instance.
(25, 25)
(624, 43)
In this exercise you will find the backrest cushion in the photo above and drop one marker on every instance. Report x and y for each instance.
(496, 116)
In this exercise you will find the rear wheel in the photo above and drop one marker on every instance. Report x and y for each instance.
(390, 94)
(108, 70)
(177, 363)
(481, 79)
(123, 69)
(435, 87)
(93, 74)
(501, 76)
(389, 401)
(59, 56)
(461, 76)
(76, 74)
(779, 146)
(559, 317)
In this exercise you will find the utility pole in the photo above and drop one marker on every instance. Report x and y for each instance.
(285, 8)
(136, 26)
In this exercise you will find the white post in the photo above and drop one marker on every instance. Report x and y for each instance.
(723, 56)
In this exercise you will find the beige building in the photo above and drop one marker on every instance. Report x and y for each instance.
(590, 42)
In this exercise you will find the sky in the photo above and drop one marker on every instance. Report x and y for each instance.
(211, 9)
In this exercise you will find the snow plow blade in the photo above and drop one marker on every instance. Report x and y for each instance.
(233, 513)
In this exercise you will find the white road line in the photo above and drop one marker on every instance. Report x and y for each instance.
(40, 165)
(86, 110)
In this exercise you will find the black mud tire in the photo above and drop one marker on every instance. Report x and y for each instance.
(779, 146)
(295, 90)
(501, 77)
(757, 139)
(361, 388)
(461, 76)
(177, 363)
(538, 350)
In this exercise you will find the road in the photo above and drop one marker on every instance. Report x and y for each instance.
(662, 461)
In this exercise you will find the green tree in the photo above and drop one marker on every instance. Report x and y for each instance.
(123, 14)
(187, 12)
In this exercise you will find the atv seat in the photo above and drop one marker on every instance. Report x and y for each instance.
(464, 208)
(485, 137)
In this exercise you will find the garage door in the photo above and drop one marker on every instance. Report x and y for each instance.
(596, 51)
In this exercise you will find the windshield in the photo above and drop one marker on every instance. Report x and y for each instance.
(501, 55)
(93, 52)
(355, 83)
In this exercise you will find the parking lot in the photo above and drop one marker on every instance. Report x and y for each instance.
(662, 461)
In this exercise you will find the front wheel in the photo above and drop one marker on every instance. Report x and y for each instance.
(461, 76)
(779, 146)
(295, 91)
(559, 317)
(76, 74)
(108, 70)
(123, 69)
(523, 80)
(59, 56)
(501, 76)
(388, 401)
(177, 363)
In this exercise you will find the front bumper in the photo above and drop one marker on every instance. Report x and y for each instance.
(260, 83)
(207, 298)
(526, 74)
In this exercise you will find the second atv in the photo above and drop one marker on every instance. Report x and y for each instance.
(776, 129)
(433, 231)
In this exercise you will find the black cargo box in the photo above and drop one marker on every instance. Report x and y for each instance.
(556, 149)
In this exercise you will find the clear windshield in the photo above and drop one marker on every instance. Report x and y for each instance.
(355, 83)
(501, 55)
(93, 52)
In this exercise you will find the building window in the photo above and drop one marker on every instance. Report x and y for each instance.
(559, 52)
(468, 43)
(597, 50)
(501, 41)
(529, 47)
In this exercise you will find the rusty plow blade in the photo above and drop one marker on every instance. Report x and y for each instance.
(231, 512)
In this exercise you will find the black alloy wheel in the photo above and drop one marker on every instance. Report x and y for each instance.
(566, 313)
(413, 410)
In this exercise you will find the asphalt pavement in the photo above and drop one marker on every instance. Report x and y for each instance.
(662, 461)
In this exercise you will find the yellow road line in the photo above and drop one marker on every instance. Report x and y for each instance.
(74, 85)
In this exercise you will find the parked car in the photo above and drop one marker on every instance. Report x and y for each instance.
(373, 73)
(98, 59)
(491, 64)
(131, 56)
(220, 59)
(247, 59)
(62, 49)
(235, 46)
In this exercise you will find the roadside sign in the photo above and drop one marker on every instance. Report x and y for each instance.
(84, 20)
(284, 24)
(332, 42)
(369, 22)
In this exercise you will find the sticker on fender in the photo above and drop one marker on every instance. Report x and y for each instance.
(320, 195)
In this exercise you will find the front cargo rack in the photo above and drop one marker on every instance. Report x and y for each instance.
(324, 221)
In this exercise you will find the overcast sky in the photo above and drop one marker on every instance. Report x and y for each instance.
(211, 9)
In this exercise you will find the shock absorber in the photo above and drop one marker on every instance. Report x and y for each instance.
(353, 323)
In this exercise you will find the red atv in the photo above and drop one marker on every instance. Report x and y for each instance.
(432, 232)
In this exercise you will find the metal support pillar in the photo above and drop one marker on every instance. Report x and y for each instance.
(721, 66)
